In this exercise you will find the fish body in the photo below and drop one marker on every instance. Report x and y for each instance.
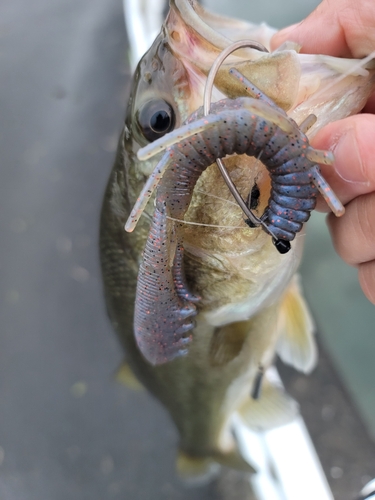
(250, 304)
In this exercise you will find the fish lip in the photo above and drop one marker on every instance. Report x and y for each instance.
(195, 21)
(205, 23)
(187, 10)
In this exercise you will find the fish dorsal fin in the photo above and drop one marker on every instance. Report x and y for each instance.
(124, 375)
(273, 408)
(296, 343)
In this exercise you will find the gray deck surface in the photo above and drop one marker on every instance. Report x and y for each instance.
(67, 430)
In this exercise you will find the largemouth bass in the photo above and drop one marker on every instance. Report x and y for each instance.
(250, 305)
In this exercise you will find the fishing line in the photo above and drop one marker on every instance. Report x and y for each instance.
(204, 225)
(214, 196)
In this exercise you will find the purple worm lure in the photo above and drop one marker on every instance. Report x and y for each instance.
(254, 126)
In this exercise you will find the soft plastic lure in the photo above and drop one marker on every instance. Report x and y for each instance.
(252, 126)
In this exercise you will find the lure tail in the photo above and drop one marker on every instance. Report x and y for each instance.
(163, 307)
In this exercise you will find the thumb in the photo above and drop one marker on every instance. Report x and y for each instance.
(340, 28)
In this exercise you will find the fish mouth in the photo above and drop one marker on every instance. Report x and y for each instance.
(298, 83)
(197, 37)
(218, 31)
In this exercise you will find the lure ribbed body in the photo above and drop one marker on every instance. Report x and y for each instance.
(240, 131)
(162, 313)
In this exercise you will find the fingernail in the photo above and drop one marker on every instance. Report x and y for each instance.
(348, 162)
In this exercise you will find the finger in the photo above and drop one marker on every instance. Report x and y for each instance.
(352, 141)
(366, 276)
(341, 28)
(353, 235)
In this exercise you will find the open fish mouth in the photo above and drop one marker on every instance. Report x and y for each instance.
(298, 83)
(254, 126)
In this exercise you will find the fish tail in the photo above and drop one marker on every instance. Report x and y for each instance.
(202, 469)
(196, 470)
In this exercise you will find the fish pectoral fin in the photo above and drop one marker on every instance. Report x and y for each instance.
(124, 375)
(274, 408)
(296, 344)
(227, 342)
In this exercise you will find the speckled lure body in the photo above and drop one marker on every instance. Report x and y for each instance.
(164, 306)
(241, 131)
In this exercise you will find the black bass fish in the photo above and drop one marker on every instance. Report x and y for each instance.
(247, 298)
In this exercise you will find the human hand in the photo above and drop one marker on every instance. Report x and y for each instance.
(344, 28)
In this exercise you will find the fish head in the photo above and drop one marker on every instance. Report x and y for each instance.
(169, 85)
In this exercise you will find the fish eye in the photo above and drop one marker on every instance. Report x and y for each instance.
(155, 119)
